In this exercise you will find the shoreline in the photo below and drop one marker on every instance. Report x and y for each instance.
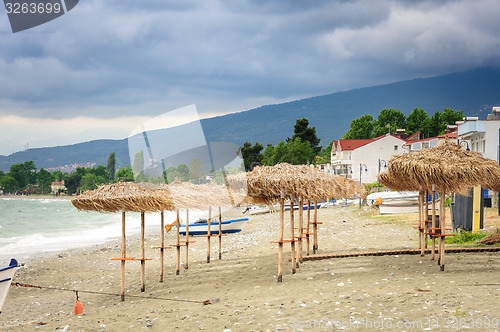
(37, 196)
(377, 289)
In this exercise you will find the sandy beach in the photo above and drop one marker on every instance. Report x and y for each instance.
(398, 292)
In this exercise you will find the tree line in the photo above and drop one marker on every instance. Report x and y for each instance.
(390, 119)
(302, 147)
(27, 179)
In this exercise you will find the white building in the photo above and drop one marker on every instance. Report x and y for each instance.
(417, 145)
(355, 158)
(482, 136)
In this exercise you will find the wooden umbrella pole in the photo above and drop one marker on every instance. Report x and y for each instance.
(280, 243)
(178, 267)
(162, 221)
(426, 217)
(209, 225)
(143, 261)
(124, 248)
(186, 265)
(420, 208)
(308, 225)
(433, 254)
(220, 233)
(442, 224)
(301, 228)
(292, 238)
(315, 227)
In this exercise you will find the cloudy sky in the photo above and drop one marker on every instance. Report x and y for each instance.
(107, 66)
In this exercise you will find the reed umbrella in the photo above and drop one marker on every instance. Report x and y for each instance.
(126, 197)
(445, 168)
(268, 184)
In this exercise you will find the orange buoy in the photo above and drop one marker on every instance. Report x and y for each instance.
(78, 308)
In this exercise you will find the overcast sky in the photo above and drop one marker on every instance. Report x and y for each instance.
(105, 67)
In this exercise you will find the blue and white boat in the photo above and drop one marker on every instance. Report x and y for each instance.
(201, 227)
(6, 275)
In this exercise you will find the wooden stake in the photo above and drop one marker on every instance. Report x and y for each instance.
(178, 267)
(315, 227)
(308, 225)
(426, 217)
(186, 266)
(209, 225)
(124, 248)
(280, 249)
(420, 228)
(162, 221)
(442, 223)
(301, 228)
(433, 254)
(292, 238)
(220, 233)
(143, 262)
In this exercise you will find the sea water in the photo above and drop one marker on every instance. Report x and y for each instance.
(31, 227)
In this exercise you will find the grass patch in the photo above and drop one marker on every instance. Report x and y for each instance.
(465, 237)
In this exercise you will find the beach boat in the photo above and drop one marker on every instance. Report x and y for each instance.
(391, 196)
(345, 202)
(200, 227)
(402, 206)
(6, 275)
(255, 210)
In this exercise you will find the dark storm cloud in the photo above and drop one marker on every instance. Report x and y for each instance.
(104, 57)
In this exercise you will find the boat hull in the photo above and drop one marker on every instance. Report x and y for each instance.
(6, 275)
(227, 227)
(258, 211)
(402, 208)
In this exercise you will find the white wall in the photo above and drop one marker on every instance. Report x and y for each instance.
(491, 138)
(370, 154)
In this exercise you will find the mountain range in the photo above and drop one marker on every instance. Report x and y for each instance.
(474, 92)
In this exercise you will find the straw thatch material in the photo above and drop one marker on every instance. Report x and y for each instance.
(125, 196)
(447, 165)
(265, 184)
(189, 195)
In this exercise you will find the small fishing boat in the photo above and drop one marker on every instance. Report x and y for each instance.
(200, 227)
(388, 196)
(255, 210)
(6, 275)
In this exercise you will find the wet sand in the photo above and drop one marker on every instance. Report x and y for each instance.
(401, 292)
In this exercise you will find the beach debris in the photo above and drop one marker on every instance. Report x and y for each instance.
(422, 290)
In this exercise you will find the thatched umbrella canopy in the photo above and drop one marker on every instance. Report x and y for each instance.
(124, 196)
(266, 183)
(447, 166)
(189, 195)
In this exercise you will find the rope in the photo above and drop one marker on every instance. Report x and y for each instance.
(111, 294)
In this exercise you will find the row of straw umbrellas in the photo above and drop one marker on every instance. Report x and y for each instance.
(445, 168)
(293, 183)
